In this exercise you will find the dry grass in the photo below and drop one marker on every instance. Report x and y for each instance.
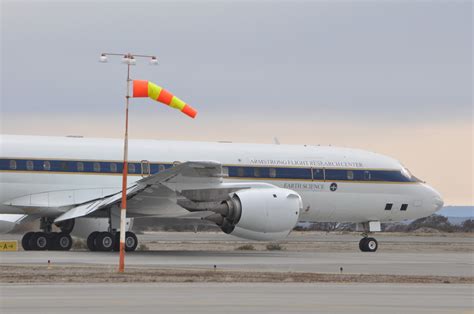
(245, 247)
(101, 274)
(274, 247)
(143, 247)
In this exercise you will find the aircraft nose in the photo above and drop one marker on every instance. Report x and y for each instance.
(438, 203)
(437, 200)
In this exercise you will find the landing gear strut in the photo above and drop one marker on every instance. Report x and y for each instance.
(46, 239)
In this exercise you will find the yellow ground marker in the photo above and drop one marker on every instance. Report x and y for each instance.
(8, 246)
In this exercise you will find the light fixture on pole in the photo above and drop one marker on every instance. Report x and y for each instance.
(154, 61)
(129, 59)
(103, 58)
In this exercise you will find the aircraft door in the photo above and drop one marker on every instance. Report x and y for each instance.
(145, 168)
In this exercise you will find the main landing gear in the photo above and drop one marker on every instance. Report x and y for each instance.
(48, 240)
(110, 241)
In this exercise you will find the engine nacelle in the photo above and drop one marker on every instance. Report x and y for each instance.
(259, 214)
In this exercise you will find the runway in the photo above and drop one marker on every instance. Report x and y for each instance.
(195, 253)
(438, 255)
(236, 298)
(440, 264)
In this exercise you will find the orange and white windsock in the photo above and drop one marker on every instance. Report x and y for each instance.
(148, 89)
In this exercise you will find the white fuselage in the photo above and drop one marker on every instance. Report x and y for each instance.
(40, 174)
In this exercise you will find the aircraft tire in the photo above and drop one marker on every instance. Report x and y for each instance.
(63, 241)
(26, 240)
(52, 237)
(368, 245)
(362, 244)
(39, 241)
(66, 226)
(91, 241)
(371, 245)
(131, 241)
(105, 241)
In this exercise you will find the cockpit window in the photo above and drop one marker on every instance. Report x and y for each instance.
(407, 174)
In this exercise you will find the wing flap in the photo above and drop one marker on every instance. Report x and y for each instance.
(90, 207)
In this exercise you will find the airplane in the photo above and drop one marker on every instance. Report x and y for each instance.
(252, 191)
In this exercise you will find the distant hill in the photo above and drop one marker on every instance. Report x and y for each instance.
(457, 215)
(456, 211)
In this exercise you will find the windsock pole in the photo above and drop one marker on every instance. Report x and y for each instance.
(123, 209)
(140, 89)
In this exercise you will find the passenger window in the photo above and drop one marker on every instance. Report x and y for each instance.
(240, 172)
(113, 167)
(96, 167)
(336, 174)
(63, 166)
(256, 172)
(404, 207)
(367, 175)
(272, 172)
(131, 168)
(80, 166)
(350, 175)
(29, 165)
(318, 174)
(46, 165)
(12, 164)
(388, 206)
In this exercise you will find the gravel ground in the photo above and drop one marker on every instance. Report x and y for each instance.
(101, 274)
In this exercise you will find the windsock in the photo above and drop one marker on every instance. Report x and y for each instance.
(148, 89)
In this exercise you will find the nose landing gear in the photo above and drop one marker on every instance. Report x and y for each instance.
(368, 244)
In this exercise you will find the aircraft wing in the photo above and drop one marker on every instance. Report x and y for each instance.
(162, 193)
(90, 207)
(9, 221)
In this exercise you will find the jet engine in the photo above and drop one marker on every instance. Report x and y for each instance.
(258, 214)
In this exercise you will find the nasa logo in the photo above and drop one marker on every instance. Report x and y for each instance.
(333, 187)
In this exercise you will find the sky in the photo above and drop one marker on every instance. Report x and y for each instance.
(393, 77)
